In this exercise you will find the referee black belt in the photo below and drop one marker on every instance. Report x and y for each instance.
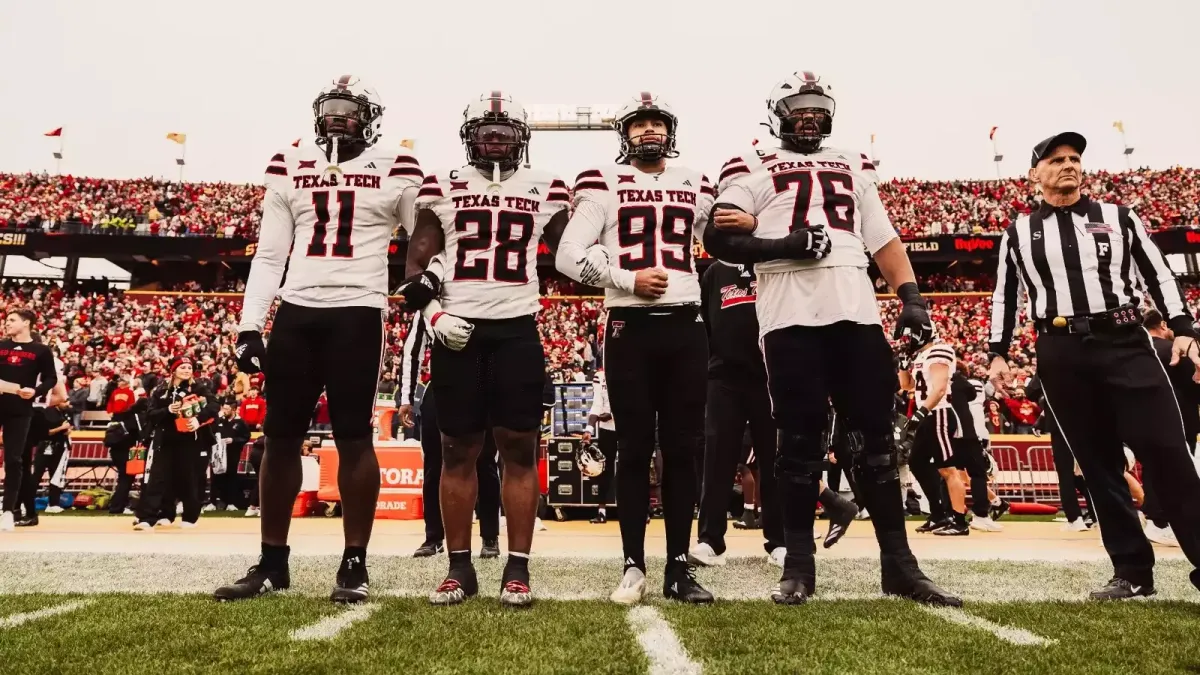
(1121, 319)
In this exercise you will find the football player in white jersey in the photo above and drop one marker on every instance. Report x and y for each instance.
(644, 213)
(488, 368)
(329, 213)
(933, 434)
(821, 333)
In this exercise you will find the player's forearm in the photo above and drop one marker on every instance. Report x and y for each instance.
(894, 265)
(261, 288)
(572, 260)
(936, 393)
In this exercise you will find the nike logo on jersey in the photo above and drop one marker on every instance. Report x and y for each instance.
(534, 191)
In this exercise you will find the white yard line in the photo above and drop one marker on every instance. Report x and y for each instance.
(659, 642)
(1016, 636)
(17, 619)
(329, 627)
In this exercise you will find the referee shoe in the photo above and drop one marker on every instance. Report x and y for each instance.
(259, 580)
(1120, 589)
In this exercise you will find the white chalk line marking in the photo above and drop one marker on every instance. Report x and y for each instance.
(329, 627)
(1016, 636)
(660, 643)
(17, 619)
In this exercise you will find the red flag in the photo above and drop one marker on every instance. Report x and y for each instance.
(56, 132)
(296, 143)
(992, 134)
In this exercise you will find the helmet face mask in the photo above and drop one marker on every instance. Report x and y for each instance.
(801, 112)
(349, 112)
(495, 133)
(641, 137)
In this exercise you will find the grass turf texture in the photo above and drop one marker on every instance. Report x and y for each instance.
(192, 634)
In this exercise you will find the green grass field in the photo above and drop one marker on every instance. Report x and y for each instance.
(1044, 628)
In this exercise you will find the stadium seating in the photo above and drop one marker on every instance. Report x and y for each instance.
(1164, 199)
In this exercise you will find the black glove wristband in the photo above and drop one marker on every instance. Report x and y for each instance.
(909, 294)
(420, 289)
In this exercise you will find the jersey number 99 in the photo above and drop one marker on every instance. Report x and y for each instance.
(651, 240)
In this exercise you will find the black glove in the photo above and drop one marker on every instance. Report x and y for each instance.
(808, 243)
(909, 433)
(914, 320)
(251, 352)
(419, 290)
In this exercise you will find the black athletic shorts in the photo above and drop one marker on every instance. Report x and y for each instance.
(936, 438)
(335, 349)
(497, 380)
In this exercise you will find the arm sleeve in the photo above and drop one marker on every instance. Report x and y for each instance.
(582, 231)
(266, 270)
(1160, 280)
(410, 364)
(877, 230)
(1008, 296)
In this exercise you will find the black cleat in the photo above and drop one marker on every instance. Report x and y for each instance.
(490, 549)
(930, 525)
(748, 521)
(997, 512)
(600, 519)
(924, 591)
(680, 584)
(258, 581)
(955, 527)
(458, 586)
(912, 505)
(839, 522)
(790, 592)
(352, 582)
(429, 548)
(31, 521)
(1120, 589)
(1195, 577)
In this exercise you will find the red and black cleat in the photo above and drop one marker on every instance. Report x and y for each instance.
(460, 585)
(516, 594)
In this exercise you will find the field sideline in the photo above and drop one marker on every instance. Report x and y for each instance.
(148, 610)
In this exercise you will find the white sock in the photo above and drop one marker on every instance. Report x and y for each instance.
(996, 501)
(748, 507)
(601, 511)
(518, 554)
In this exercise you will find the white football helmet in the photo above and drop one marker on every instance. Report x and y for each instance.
(349, 110)
(646, 104)
(495, 131)
(800, 110)
(590, 460)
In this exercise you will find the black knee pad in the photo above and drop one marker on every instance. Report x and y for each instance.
(875, 457)
(801, 457)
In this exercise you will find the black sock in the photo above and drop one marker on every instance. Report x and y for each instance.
(359, 552)
(679, 562)
(460, 560)
(1159, 522)
(275, 557)
(638, 561)
(516, 568)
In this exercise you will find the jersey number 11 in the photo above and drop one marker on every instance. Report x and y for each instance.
(342, 248)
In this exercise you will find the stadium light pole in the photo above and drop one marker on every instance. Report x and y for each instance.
(573, 117)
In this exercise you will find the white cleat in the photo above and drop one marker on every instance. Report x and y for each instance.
(186, 525)
(863, 515)
(632, 588)
(127, 512)
(143, 526)
(538, 525)
(163, 522)
(1076, 525)
(1163, 536)
(54, 509)
(985, 524)
(208, 508)
(703, 554)
(252, 512)
(6, 522)
(231, 507)
(776, 556)
(179, 509)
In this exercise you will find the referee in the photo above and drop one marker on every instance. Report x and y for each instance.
(1083, 264)
(29, 365)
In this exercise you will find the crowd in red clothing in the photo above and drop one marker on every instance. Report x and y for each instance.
(1163, 198)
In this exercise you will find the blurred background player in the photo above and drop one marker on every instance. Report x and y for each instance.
(600, 425)
(808, 216)
(487, 368)
(28, 365)
(645, 214)
(329, 213)
(487, 508)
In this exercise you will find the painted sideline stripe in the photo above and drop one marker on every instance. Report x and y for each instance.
(25, 617)
(1016, 636)
(330, 626)
(667, 656)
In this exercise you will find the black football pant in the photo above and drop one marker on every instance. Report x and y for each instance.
(226, 487)
(487, 504)
(839, 444)
(173, 476)
(120, 499)
(16, 456)
(731, 406)
(850, 364)
(47, 456)
(656, 363)
(256, 457)
(606, 439)
(1106, 390)
(1068, 482)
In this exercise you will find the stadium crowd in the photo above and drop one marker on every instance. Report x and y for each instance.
(1164, 199)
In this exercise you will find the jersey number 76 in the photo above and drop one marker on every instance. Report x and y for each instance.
(838, 206)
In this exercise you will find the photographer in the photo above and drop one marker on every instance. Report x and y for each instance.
(179, 417)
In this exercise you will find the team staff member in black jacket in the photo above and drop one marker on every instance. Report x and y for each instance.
(174, 459)
(1083, 264)
(233, 434)
(30, 366)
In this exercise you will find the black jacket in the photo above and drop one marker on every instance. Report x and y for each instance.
(234, 429)
(1187, 391)
(727, 297)
(161, 421)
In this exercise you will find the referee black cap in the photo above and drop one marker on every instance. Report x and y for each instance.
(1076, 141)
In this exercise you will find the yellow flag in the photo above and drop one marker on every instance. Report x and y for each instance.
(408, 143)
(1119, 126)
(178, 138)
(872, 138)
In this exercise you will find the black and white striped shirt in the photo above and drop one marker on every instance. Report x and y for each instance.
(414, 354)
(1086, 258)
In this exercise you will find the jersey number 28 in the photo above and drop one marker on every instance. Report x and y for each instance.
(838, 206)
(501, 238)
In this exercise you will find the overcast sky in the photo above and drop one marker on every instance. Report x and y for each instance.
(928, 78)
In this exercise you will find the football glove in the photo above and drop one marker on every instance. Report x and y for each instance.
(809, 243)
(451, 330)
(909, 434)
(913, 322)
(419, 289)
(595, 260)
(251, 353)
